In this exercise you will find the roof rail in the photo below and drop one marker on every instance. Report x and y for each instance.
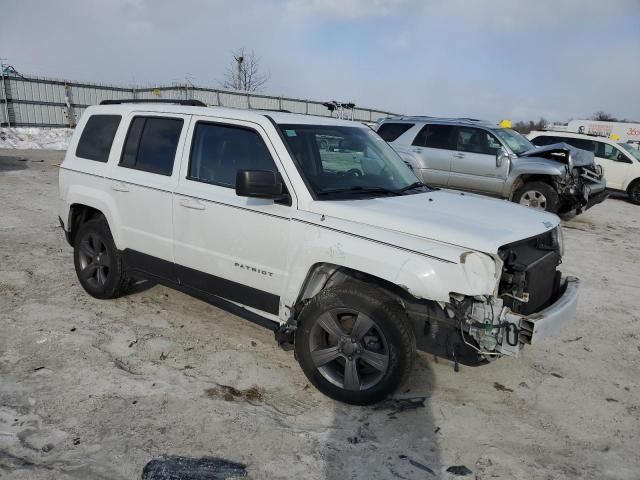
(190, 103)
(440, 119)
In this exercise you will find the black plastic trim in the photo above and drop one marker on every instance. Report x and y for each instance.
(189, 103)
(293, 158)
(174, 275)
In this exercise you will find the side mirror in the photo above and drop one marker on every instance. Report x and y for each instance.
(259, 184)
(501, 157)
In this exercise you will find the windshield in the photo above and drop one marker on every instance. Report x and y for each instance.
(514, 140)
(347, 162)
(631, 149)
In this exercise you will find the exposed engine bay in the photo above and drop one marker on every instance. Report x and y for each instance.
(582, 184)
(471, 330)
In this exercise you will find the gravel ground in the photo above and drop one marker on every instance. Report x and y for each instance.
(95, 389)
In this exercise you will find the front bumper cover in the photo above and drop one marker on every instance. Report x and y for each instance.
(545, 323)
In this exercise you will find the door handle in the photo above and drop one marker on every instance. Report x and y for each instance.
(458, 155)
(193, 204)
(416, 150)
(119, 187)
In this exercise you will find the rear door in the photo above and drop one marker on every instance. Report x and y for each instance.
(141, 183)
(473, 166)
(433, 146)
(229, 246)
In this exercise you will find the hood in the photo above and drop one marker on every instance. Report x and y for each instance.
(471, 221)
(563, 153)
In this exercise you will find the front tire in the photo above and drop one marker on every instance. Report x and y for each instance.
(354, 343)
(634, 192)
(99, 264)
(538, 195)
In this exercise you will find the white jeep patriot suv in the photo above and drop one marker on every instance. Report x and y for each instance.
(335, 245)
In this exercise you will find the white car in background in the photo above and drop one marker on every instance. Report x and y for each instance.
(620, 162)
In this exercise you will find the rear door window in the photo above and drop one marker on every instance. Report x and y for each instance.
(151, 144)
(436, 136)
(582, 143)
(392, 131)
(219, 151)
(97, 137)
(543, 140)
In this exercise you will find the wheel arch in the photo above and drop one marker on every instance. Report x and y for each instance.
(528, 178)
(323, 275)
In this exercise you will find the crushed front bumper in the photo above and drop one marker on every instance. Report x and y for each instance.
(545, 323)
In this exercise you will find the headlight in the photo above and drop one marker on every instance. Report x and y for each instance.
(558, 240)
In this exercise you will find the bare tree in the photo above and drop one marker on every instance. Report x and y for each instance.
(528, 126)
(244, 74)
(603, 116)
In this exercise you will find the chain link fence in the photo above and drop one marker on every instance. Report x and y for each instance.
(30, 101)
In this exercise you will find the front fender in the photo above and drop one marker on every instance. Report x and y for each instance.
(432, 276)
(537, 166)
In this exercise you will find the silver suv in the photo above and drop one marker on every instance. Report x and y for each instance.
(476, 156)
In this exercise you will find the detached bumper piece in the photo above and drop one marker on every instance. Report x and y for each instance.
(545, 323)
(596, 199)
(64, 229)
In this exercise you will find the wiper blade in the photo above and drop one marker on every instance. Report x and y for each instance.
(411, 187)
(359, 189)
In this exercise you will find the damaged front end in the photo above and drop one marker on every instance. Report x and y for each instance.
(533, 301)
(582, 185)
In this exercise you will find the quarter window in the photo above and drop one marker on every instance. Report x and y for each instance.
(436, 136)
(392, 131)
(97, 137)
(151, 144)
(219, 151)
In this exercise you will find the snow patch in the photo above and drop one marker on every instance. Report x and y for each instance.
(35, 138)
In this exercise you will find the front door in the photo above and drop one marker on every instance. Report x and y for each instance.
(615, 164)
(230, 246)
(473, 166)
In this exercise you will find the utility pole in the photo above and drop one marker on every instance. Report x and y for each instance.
(4, 92)
(239, 61)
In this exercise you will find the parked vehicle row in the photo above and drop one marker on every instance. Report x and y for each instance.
(620, 162)
(475, 156)
(316, 228)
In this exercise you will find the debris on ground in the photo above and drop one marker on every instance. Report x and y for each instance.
(501, 388)
(228, 393)
(459, 470)
(399, 405)
(173, 467)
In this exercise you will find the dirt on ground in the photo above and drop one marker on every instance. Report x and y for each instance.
(94, 389)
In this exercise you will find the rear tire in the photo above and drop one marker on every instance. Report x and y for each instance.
(634, 192)
(354, 343)
(538, 195)
(99, 264)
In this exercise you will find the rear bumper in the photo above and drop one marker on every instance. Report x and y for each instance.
(548, 322)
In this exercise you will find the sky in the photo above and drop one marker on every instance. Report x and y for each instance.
(489, 59)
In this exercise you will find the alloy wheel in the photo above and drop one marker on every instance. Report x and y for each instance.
(95, 261)
(349, 349)
(534, 199)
